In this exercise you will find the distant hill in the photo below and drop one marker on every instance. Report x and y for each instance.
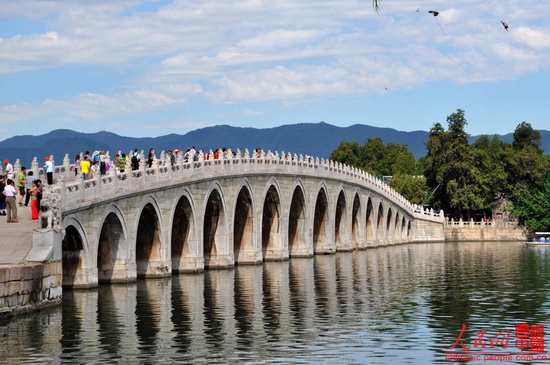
(314, 139)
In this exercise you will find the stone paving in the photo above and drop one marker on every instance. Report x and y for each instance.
(16, 238)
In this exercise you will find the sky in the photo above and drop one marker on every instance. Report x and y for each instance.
(153, 67)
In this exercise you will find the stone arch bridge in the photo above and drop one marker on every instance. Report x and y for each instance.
(188, 217)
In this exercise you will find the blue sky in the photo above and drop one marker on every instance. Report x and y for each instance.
(149, 68)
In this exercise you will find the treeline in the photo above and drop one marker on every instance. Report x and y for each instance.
(461, 178)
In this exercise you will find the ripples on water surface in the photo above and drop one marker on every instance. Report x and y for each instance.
(401, 304)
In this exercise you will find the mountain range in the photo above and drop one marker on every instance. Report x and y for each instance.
(314, 139)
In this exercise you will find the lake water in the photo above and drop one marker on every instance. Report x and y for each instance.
(391, 305)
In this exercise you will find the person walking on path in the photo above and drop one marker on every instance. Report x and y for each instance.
(30, 179)
(21, 183)
(2, 196)
(9, 192)
(48, 167)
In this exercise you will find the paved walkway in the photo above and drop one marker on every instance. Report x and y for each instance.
(16, 238)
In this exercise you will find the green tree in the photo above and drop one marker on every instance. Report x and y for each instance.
(451, 170)
(413, 188)
(534, 209)
(347, 153)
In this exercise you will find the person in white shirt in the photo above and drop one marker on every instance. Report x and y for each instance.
(48, 167)
(9, 170)
(9, 192)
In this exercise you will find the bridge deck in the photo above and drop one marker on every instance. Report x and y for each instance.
(16, 238)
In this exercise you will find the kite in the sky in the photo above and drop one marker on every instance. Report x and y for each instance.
(504, 25)
(436, 13)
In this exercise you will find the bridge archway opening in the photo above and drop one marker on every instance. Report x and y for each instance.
(243, 227)
(340, 219)
(148, 241)
(296, 221)
(110, 249)
(402, 230)
(380, 223)
(183, 230)
(397, 231)
(321, 221)
(272, 236)
(72, 248)
(355, 232)
(214, 226)
(389, 227)
(369, 225)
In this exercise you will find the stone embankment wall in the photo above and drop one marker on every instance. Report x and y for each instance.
(484, 231)
(485, 234)
(29, 286)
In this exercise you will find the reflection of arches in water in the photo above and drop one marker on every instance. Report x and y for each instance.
(271, 301)
(320, 220)
(340, 219)
(244, 224)
(147, 318)
(380, 223)
(109, 328)
(296, 222)
(181, 316)
(370, 218)
(213, 321)
(71, 328)
(214, 225)
(355, 234)
(272, 235)
(71, 255)
(111, 247)
(243, 297)
(148, 244)
(183, 230)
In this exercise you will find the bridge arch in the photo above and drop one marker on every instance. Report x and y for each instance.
(113, 249)
(370, 222)
(380, 234)
(272, 233)
(322, 232)
(341, 224)
(150, 245)
(357, 229)
(215, 229)
(390, 219)
(184, 243)
(76, 256)
(297, 223)
(244, 242)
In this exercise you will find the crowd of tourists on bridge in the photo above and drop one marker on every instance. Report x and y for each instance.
(21, 190)
(28, 188)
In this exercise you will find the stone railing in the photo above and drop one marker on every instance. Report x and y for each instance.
(70, 192)
(451, 223)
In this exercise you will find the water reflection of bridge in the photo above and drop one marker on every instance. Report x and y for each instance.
(217, 213)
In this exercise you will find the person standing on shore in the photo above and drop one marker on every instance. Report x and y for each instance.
(48, 167)
(21, 183)
(9, 193)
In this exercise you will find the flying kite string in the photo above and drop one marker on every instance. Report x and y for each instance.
(435, 14)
